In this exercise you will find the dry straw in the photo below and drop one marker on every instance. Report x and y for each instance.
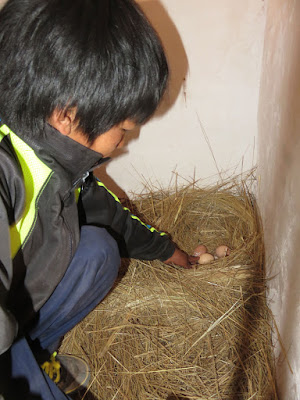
(168, 333)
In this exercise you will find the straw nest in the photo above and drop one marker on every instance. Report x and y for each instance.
(168, 333)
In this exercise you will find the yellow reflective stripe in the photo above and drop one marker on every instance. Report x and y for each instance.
(99, 183)
(150, 228)
(77, 194)
(20, 231)
(1, 135)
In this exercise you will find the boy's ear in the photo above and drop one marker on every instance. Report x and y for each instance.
(63, 120)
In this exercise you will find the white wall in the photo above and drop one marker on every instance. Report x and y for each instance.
(217, 46)
(214, 50)
(279, 188)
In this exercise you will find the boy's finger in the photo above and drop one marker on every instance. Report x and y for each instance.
(193, 260)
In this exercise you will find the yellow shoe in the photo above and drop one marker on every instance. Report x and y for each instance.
(70, 373)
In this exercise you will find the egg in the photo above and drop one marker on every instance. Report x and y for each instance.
(200, 249)
(205, 258)
(222, 251)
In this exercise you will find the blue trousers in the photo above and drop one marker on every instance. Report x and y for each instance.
(86, 282)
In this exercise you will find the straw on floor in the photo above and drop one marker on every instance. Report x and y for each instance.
(168, 333)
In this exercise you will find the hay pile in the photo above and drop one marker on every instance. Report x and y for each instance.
(168, 333)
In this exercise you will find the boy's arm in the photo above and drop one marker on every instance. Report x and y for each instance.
(99, 206)
(8, 324)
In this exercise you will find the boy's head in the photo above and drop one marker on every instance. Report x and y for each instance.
(101, 58)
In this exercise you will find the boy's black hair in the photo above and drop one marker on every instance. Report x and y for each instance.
(100, 56)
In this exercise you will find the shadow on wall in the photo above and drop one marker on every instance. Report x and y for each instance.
(177, 58)
(2, 2)
(178, 65)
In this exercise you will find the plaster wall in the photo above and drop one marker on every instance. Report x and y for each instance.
(279, 184)
(207, 124)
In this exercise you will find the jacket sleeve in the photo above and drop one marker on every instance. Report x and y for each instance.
(99, 206)
(12, 196)
(8, 324)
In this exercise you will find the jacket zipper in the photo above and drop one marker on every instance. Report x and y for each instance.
(81, 180)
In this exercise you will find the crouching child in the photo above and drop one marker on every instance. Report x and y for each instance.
(76, 76)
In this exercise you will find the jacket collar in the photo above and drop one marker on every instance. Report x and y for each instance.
(61, 153)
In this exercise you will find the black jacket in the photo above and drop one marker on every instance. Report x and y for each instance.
(45, 253)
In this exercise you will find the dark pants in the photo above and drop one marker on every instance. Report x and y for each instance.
(86, 282)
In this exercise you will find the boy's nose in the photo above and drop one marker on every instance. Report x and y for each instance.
(121, 143)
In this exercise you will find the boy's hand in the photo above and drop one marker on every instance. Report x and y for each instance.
(180, 258)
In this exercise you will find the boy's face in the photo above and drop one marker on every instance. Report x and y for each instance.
(108, 141)
(105, 144)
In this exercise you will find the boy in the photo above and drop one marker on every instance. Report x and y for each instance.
(76, 75)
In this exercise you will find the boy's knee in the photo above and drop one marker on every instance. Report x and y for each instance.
(101, 249)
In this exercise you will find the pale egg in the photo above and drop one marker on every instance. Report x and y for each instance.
(222, 251)
(200, 249)
(206, 258)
